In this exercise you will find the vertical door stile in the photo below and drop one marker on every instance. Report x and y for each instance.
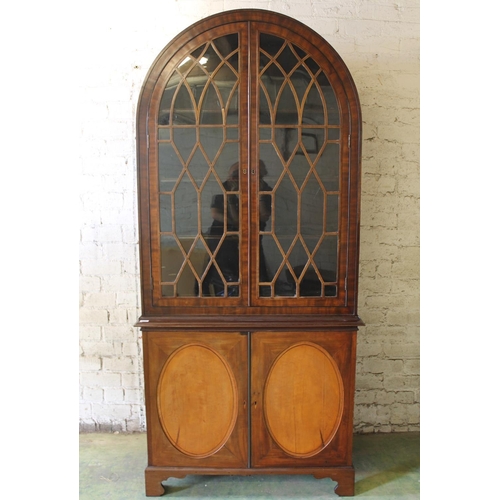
(253, 159)
(245, 121)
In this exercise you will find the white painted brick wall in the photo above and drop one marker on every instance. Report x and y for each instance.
(379, 41)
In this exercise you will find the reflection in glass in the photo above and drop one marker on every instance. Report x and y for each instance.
(314, 112)
(327, 167)
(169, 166)
(186, 208)
(198, 168)
(332, 213)
(287, 59)
(165, 213)
(299, 169)
(223, 239)
(185, 141)
(198, 121)
(184, 113)
(286, 208)
(211, 140)
(287, 112)
(297, 195)
(299, 142)
(301, 80)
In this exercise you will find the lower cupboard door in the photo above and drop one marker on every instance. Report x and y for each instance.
(197, 389)
(302, 398)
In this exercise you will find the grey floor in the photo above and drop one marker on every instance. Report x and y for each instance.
(112, 467)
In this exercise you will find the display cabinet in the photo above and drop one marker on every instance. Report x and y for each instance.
(248, 138)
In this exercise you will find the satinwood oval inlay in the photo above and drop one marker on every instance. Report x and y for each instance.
(303, 400)
(197, 400)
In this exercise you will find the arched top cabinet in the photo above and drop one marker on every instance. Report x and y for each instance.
(249, 133)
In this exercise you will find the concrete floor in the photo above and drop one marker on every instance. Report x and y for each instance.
(112, 467)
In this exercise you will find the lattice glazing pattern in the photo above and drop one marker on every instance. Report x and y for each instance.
(299, 148)
(198, 147)
(298, 195)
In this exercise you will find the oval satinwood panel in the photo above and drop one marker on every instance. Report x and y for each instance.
(197, 400)
(303, 400)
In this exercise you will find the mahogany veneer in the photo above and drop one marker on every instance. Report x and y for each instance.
(248, 135)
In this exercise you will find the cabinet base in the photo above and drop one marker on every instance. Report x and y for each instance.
(344, 476)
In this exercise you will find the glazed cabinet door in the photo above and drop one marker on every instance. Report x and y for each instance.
(196, 399)
(197, 152)
(301, 134)
(302, 398)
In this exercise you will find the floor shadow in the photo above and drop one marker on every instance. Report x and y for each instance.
(191, 481)
(386, 476)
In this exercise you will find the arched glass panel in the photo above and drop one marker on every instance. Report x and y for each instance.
(198, 154)
(299, 144)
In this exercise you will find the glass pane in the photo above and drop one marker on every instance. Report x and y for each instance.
(198, 168)
(227, 157)
(265, 210)
(327, 167)
(314, 112)
(312, 141)
(222, 237)
(225, 81)
(299, 168)
(186, 208)
(301, 79)
(299, 51)
(311, 214)
(211, 107)
(187, 285)
(284, 242)
(287, 60)
(232, 134)
(169, 166)
(287, 108)
(312, 65)
(183, 107)
(184, 139)
(298, 258)
(199, 202)
(188, 63)
(287, 139)
(299, 121)
(286, 208)
(171, 258)
(226, 45)
(164, 134)
(223, 276)
(166, 213)
(330, 99)
(332, 213)
(211, 59)
(334, 134)
(271, 44)
(326, 259)
(265, 133)
(264, 107)
(211, 192)
(211, 139)
(310, 284)
(232, 116)
(167, 98)
(273, 162)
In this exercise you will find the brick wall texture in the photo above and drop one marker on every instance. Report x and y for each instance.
(379, 41)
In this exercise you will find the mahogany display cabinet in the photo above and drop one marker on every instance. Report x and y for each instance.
(249, 138)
